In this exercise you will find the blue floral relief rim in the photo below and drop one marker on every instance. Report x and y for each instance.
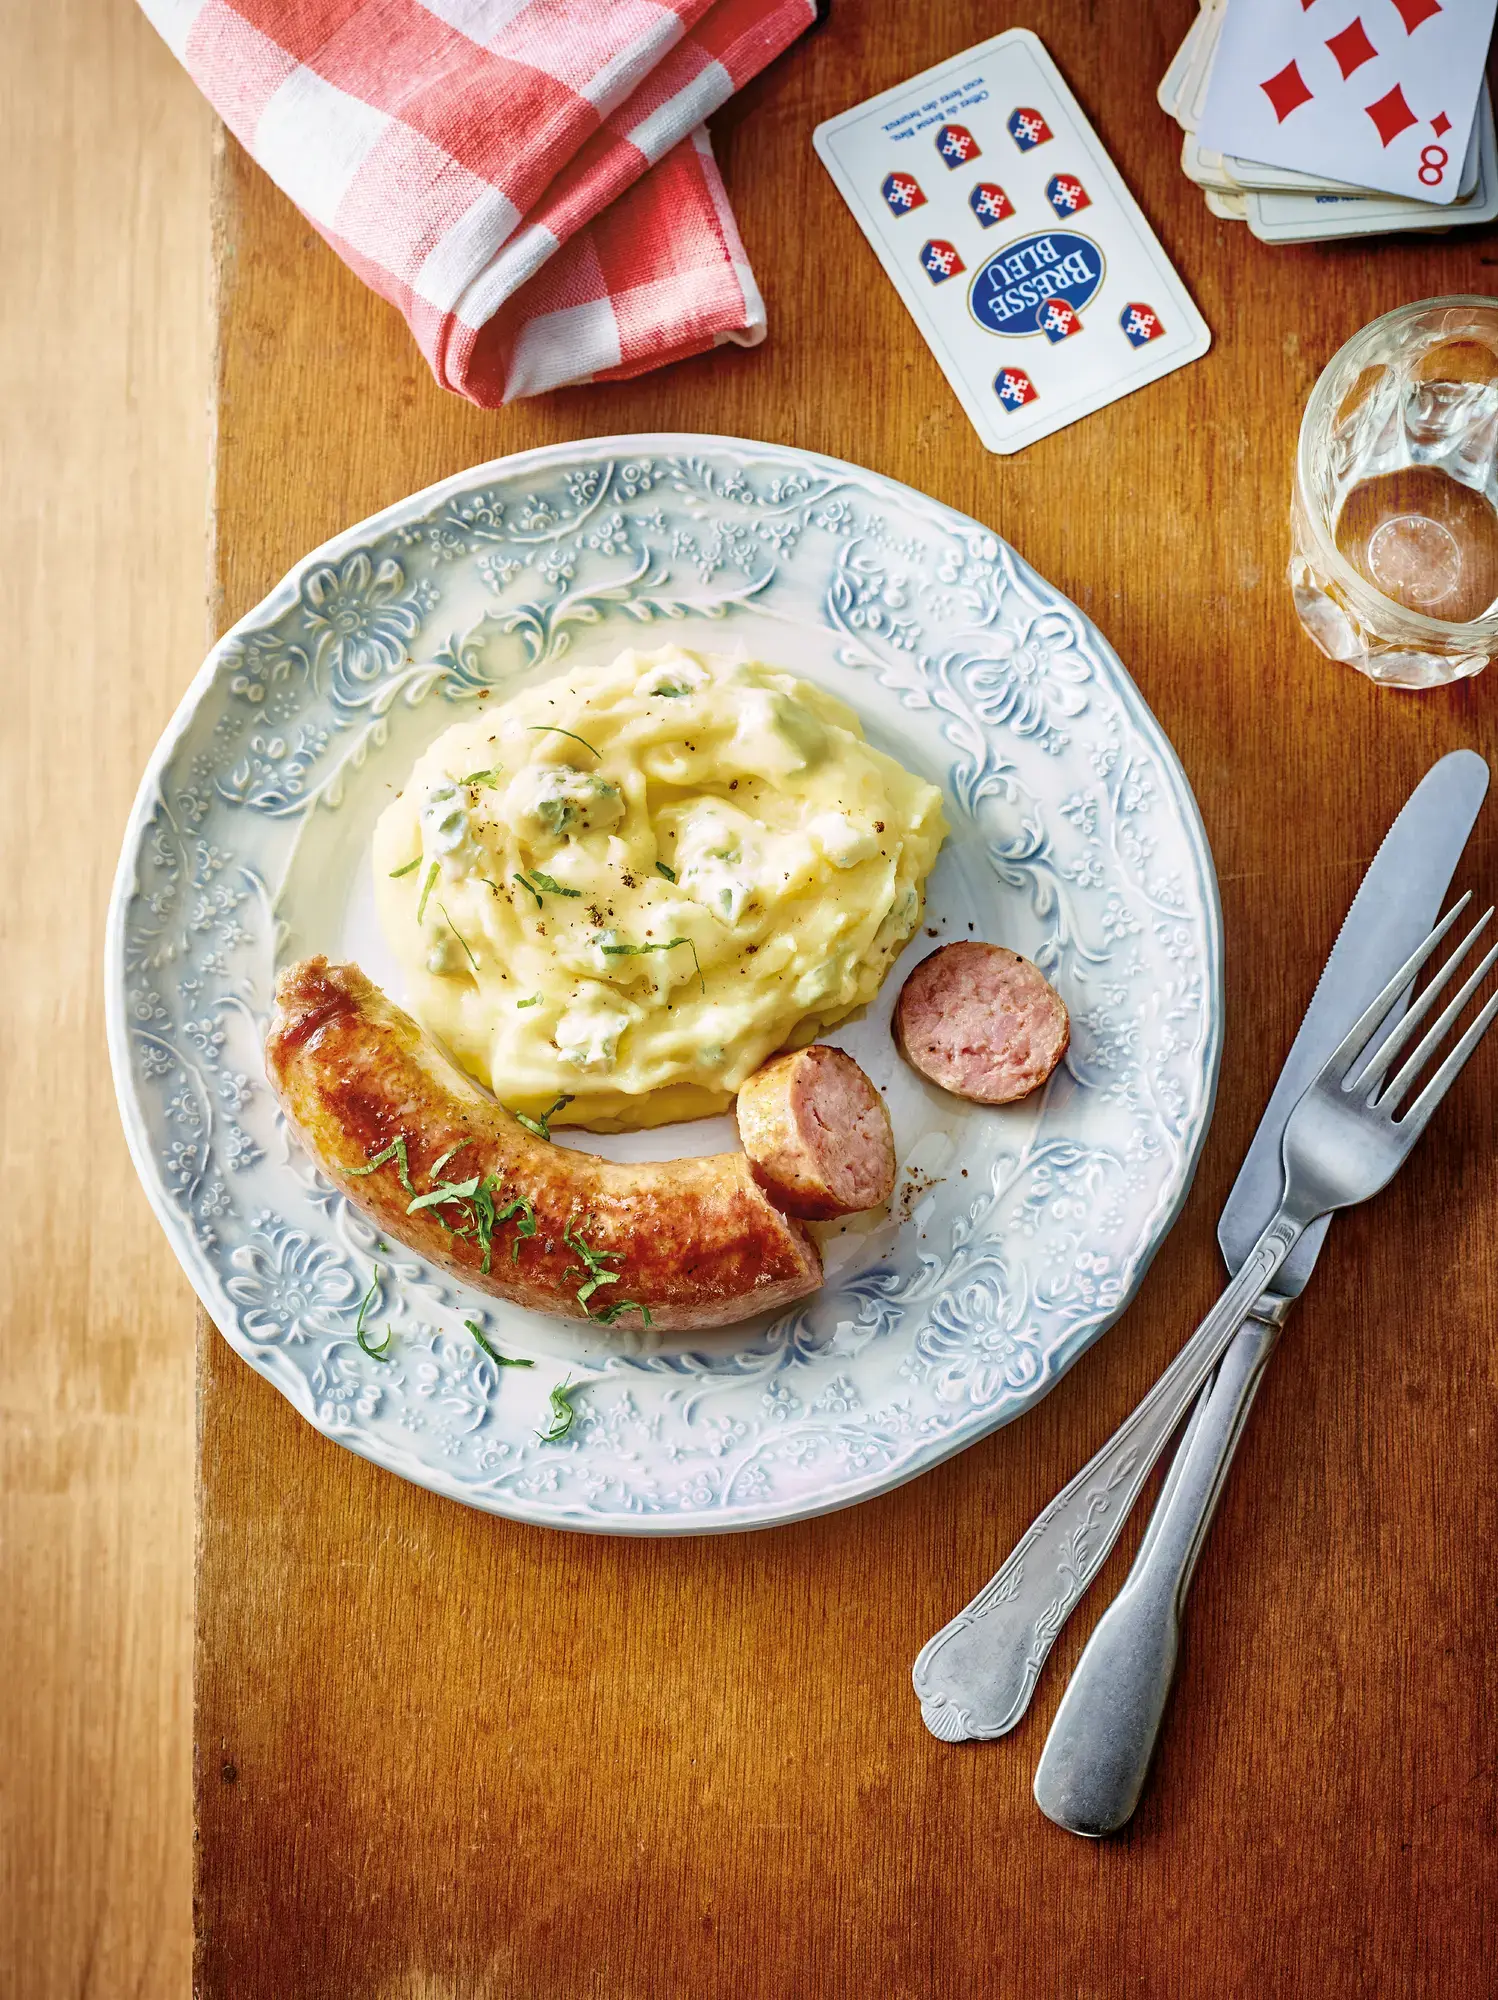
(1075, 839)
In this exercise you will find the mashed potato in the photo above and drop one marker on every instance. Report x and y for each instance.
(632, 884)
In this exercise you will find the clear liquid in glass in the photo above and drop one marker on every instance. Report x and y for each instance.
(1424, 540)
(1398, 474)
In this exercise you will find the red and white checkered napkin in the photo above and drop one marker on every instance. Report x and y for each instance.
(528, 180)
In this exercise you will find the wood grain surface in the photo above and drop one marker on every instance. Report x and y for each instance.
(440, 1754)
(105, 353)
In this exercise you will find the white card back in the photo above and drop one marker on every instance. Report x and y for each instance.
(1012, 240)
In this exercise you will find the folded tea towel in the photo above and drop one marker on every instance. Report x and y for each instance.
(529, 181)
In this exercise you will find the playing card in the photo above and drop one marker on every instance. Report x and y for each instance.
(1012, 240)
(1206, 170)
(1301, 218)
(1258, 174)
(1253, 174)
(1169, 93)
(1193, 94)
(1376, 93)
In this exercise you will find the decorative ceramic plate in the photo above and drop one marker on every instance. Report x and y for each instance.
(1016, 1234)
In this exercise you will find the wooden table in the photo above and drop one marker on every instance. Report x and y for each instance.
(105, 348)
(439, 1754)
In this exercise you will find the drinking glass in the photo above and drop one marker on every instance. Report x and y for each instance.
(1394, 521)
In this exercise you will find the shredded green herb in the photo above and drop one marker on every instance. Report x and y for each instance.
(484, 1220)
(478, 1217)
(382, 1352)
(374, 1286)
(524, 1227)
(396, 1151)
(534, 1001)
(562, 1412)
(460, 937)
(483, 777)
(594, 1272)
(611, 1313)
(396, 873)
(473, 1199)
(662, 869)
(551, 729)
(426, 890)
(499, 1360)
(529, 890)
(671, 693)
(444, 1191)
(668, 944)
(541, 1126)
(549, 884)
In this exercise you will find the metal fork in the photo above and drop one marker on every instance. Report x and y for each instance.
(1342, 1144)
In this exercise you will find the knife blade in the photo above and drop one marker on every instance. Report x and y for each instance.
(1398, 900)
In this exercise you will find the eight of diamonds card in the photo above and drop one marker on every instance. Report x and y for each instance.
(1009, 235)
(1379, 93)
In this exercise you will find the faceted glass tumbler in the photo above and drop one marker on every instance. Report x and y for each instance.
(1394, 520)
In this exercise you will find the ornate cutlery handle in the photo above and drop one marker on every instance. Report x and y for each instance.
(1098, 1753)
(975, 1678)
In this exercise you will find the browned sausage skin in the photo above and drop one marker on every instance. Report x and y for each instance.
(817, 1134)
(693, 1241)
(982, 1022)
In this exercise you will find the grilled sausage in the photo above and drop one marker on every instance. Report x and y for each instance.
(693, 1242)
(982, 1022)
(817, 1134)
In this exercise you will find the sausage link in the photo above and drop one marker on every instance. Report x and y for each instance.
(695, 1242)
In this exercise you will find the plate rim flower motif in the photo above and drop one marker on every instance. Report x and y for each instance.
(320, 582)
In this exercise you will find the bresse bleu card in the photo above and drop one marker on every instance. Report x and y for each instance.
(1008, 233)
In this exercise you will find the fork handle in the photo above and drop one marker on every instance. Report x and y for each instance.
(975, 1677)
(1098, 1753)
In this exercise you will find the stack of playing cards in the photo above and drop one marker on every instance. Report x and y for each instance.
(1312, 119)
(1016, 247)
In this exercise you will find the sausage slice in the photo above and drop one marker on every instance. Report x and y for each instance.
(438, 1165)
(817, 1134)
(982, 1022)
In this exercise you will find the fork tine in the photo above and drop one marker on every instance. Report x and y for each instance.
(1434, 1036)
(1358, 1036)
(1403, 1028)
(1446, 1075)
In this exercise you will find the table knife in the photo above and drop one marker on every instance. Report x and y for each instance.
(975, 1677)
(1097, 1756)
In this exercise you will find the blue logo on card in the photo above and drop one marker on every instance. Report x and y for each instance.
(1141, 324)
(1028, 129)
(1054, 266)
